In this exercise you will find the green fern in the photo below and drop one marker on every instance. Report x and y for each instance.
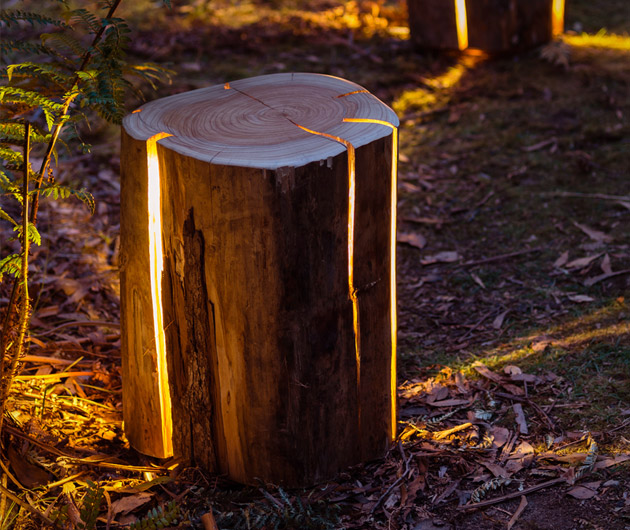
(83, 15)
(158, 518)
(91, 506)
(10, 17)
(58, 191)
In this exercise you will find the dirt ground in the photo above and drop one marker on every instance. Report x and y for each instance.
(513, 280)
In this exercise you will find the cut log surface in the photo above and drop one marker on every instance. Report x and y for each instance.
(277, 298)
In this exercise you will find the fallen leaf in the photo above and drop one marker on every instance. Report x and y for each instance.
(582, 262)
(448, 256)
(413, 239)
(608, 461)
(513, 389)
(517, 513)
(129, 503)
(584, 491)
(528, 378)
(520, 418)
(486, 372)
(477, 280)
(595, 235)
(625, 204)
(408, 187)
(522, 457)
(495, 469)
(30, 475)
(580, 298)
(564, 257)
(606, 268)
(498, 321)
(596, 279)
(500, 437)
(437, 393)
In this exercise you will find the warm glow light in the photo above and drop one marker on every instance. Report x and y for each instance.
(351, 221)
(557, 17)
(156, 260)
(601, 39)
(461, 20)
(392, 265)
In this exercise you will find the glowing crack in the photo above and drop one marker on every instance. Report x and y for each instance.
(156, 260)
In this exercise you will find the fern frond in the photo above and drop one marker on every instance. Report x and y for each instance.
(8, 46)
(33, 234)
(83, 15)
(11, 264)
(479, 493)
(66, 40)
(12, 133)
(150, 72)
(91, 505)
(4, 215)
(11, 157)
(58, 191)
(158, 518)
(42, 71)
(10, 17)
(33, 99)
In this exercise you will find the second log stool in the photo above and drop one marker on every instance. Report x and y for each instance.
(258, 277)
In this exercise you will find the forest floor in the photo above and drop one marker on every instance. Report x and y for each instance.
(513, 283)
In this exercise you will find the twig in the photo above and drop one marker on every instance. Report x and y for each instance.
(397, 482)
(58, 375)
(602, 196)
(443, 434)
(500, 257)
(536, 407)
(80, 323)
(497, 500)
(25, 505)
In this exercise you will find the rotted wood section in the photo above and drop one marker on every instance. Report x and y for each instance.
(277, 211)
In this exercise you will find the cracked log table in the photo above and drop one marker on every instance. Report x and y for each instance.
(258, 277)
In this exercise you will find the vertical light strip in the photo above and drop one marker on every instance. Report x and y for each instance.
(461, 22)
(392, 265)
(156, 261)
(557, 17)
(351, 222)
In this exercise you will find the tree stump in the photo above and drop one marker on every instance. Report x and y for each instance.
(258, 278)
(494, 26)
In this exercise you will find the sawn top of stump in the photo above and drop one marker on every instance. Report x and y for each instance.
(259, 122)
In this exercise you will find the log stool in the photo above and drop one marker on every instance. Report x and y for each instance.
(494, 26)
(258, 285)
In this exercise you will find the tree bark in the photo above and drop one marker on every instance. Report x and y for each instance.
(277, 292)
